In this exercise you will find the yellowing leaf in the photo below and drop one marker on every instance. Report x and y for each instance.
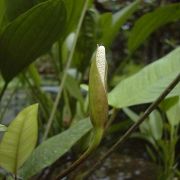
(19, 140)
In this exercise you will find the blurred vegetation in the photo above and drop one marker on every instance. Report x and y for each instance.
(46, 49)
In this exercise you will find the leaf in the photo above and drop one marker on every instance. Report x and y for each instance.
(2, 11)
(156, 125)
(74, 10)
(34, 74)
(2, 127)
(118, 19)
(150, 22)
(53, 148)
(86, 43)
(132, 115)
(19, 43)
(173, 113)
(16, 7)
(146, 85)
(151, 127)
(104, 22)
(73, 87)
(19, 140)
(144, 126)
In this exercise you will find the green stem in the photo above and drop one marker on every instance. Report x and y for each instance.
(55, 105)
(37, 94)
(173, 141)
(98, 134)
(8, 102)
(3, 90)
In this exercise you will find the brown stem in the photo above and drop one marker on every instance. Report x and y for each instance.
(135, 125)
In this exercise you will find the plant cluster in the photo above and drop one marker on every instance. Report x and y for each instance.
(77, 112)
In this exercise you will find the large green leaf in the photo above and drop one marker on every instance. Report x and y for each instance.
(86, 40)
(19, 140)
(30, 35)
(118, 19)
(151, 22)
(146, 85)
(73, 14)
(16, 7)
(52, 149)
(2, 10)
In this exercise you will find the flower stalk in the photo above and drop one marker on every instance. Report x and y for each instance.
(98, 105)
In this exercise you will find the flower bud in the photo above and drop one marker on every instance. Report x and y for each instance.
(98, 102)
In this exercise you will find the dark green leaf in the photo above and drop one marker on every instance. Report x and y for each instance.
(74, 10)
(151, 22)
(118, 19)
(104, 22)
(2, 11)
(16, 7)
(86, 42)
(29, 36)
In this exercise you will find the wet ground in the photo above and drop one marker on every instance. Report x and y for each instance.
(122, 167)
(128, 163)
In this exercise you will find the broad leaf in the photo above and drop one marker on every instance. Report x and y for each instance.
(16, 7)
(86, 42)
(53, 148)
(19, 140)
(118, 19)
(30, 35)
(2, 11)
(151, 22)
(73, 14)
(146, 85)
